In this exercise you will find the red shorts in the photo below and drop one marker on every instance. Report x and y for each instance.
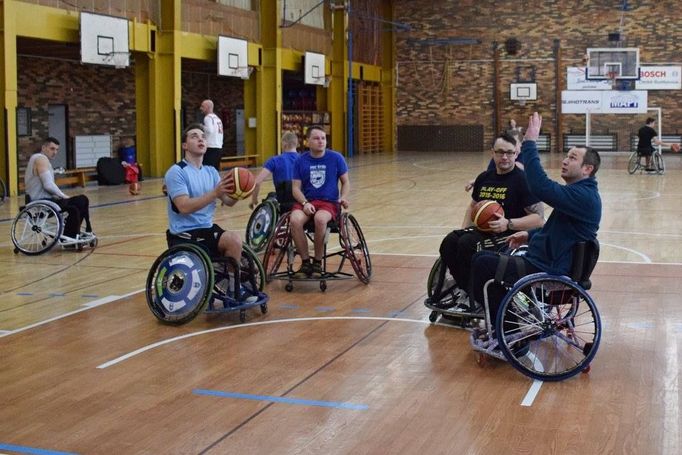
(327, 206)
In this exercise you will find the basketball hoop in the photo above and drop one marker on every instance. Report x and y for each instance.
(118, 59)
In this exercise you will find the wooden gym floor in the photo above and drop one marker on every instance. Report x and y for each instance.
(85, 367)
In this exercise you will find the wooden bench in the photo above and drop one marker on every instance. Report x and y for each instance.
(70, 177)
(227, 162)
(544, 143)
(602, 142)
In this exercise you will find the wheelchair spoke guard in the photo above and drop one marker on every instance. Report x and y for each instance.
(179, 284)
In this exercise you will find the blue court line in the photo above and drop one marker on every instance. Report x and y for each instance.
(56, 294)
(324, 309)
(24, 293)
(360, 310)
(246, 396)
(89, 295)
(394, 314)
(288, 306)
(33, 450)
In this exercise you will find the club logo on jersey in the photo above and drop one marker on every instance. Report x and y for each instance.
(318, 175)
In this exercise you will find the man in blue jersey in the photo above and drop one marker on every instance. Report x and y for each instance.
(575, 218)
(317, 174)
(281, 167)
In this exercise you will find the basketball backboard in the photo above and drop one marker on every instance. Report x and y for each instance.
(314, 68)
(526, 91)
(233, 57)
(104, 40)
(612, 63)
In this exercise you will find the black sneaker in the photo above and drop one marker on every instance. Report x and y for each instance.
(649, 169)
(317, 267)
(306, 269)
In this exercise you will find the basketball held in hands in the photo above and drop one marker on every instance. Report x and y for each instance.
(675, 148)
(244, 182)
(484, 212)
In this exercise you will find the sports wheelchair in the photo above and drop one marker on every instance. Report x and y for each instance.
(265, 215)
(547, 326)
(184, 280)
(39, 226)
(353, 247)
(452, 303)
(637, 162)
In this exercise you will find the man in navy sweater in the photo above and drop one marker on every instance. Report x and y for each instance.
(575, 218)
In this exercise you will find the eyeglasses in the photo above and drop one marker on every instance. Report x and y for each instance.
(501, 153)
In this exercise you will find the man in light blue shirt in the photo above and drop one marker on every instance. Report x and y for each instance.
(192, 191)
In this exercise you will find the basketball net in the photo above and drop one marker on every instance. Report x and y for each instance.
(611, 75)
(118, 59)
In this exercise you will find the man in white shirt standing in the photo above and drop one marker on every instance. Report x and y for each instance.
(213, 128)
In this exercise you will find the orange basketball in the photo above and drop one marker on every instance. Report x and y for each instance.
(244, 182)
(675, 148)
(483, 212)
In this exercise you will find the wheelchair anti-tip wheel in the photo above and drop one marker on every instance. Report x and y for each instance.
(179, 284)
(548, 327)
(659, 164)
(277, 246)
(633, 163)
(353, 241)
(261, 225)
(37, 227)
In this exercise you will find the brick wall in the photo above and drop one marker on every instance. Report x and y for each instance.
(440, 84)
(99, 100)
(227, 94)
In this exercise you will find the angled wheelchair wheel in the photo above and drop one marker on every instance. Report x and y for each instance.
(252, 274)
(633, 163)
(659, 164)
(548, 327)
(179, 284)
(37, 227)
(277, 246)
(440, 280)
(261, 225)
(353, 241)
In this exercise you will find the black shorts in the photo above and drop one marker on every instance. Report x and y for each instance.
(648, 152)
(206, 238)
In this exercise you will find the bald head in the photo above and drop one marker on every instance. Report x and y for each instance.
(206, 107)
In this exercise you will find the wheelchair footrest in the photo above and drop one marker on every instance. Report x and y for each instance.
(229, 304)
(480, 342)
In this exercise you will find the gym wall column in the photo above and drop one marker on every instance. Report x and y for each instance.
(8, 83)
(158, 93)
(388, 88)
(338, 89)
(268, 97)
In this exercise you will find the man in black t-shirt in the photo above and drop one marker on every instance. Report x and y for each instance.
(645, 147)
(506, 184)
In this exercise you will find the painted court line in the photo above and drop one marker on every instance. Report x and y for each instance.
(531, 393)
(86, 307)
(32, 450)
(273, 399)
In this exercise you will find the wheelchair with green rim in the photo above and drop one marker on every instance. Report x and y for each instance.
(265, 216)
(185, 280)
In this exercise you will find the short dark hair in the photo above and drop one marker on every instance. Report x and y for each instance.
(593, 159)
(505, 136)
(311, 128)
(51, 140)
(193, 126)
(650, 120)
